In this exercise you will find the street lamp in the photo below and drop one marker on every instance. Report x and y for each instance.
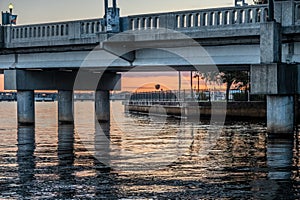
(197, 75)
(10, 7)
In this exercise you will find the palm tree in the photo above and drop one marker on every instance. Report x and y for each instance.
(228, 77)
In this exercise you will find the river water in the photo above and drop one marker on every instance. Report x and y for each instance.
(142, 157)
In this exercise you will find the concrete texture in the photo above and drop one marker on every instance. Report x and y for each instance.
(270, 42)
(25, 107)
(65, 106)
(102, 106)
(274, 78)
(280, 114)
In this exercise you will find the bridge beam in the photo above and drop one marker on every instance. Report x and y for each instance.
(65, 107)
(25, 107)
(102, 106)
(26, 81)
(60, 80)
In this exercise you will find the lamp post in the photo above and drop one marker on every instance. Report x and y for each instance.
(271, 11)
(10, 7)
(105, 8)
(111, 17)
(197, 75)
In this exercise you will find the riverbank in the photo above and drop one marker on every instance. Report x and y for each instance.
(255, 109)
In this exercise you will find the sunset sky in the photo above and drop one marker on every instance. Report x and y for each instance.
(41, 11)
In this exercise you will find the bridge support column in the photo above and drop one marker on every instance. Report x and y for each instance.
(65, 107)
(25, 107)
(278, 82)
(102, 105)
(280, 113)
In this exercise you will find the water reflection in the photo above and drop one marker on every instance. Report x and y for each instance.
(91, 162)
(278, 183)
(65, 149)
(105, 176)
(280, 158)
(280, 163)
(65, 153)
(26, 159)
(102, 146)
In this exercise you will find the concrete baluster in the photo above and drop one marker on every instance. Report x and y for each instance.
(202, 19)
(196, 19)
(247, 16)
(217, 18)
(148, 22)
(188, 18)
(142, 21)
(181, 18)
(155, 22)
(263, 15)
(210, 18)
(256, 15)
(231, 17)
(224, 17)
(239, 18)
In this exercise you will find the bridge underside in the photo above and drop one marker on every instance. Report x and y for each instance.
(183, 58)
(232, 57)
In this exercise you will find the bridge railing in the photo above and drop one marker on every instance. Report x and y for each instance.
(182, 20)
(56, 31)
(91, 27)
(201, 18)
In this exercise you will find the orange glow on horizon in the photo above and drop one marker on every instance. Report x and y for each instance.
(144, 83)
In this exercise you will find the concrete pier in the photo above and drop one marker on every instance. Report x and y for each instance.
(65, 106)
(275, 78)
(25, 107)
(102, 106)
(280, 114)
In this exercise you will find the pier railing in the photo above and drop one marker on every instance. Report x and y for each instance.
(178, 98)
(168, 98)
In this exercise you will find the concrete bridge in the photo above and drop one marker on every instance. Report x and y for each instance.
(50, 56)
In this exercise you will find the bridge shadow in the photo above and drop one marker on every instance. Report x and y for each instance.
(279, 182)
(66, 157)
(105, 176)
(26, 159)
